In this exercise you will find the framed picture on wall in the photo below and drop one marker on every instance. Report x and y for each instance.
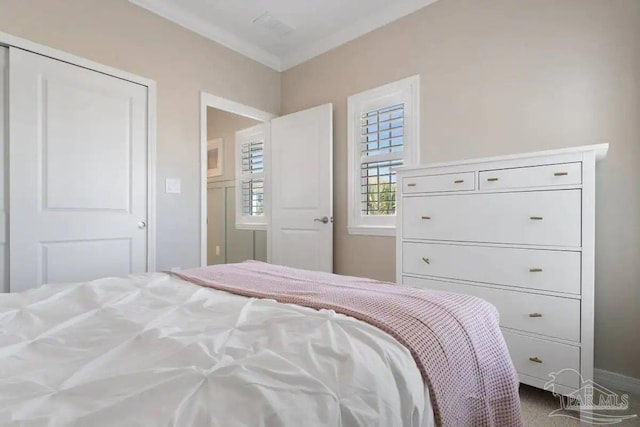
(215, 157)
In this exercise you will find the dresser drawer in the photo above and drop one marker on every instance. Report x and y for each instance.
(556, 271)
(549, 218)
(548, 357)
(439, 183)
(539, 314)
(528, 177)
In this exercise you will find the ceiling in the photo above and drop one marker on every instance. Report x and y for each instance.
(282, 33)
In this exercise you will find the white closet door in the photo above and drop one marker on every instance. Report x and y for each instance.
(301, 233)
(78, 173)
(4, 73)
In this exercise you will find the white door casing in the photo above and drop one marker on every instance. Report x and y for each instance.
(78, 173)
(301, 189)
(4, 68)
(209, 100)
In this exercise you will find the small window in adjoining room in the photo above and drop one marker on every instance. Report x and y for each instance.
(383, 135)
(252, 179)
(250, 158)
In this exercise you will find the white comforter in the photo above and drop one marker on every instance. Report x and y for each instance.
(156, 351)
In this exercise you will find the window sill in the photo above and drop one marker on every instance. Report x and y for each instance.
(367, 230)
(255, 227)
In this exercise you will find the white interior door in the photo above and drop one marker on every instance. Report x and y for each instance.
(301, 233)
(4, 68)
(78, 173)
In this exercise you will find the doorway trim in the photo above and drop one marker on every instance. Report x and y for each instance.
(213, 101)
(10, 40)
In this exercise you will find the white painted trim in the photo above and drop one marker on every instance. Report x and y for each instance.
(407, 90)
(174, 13)
(366, 24)
(234, 107)
(152, 136)
(252, 227)
(617, 382)
(209, 100)
(364, 230)
(20, 43)
(4, 140)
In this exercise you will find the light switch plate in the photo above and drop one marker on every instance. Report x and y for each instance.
(172, 185)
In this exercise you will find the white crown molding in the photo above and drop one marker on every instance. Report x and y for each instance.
(176, 14)
(358, 28)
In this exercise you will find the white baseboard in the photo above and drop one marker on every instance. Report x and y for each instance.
(617, 382)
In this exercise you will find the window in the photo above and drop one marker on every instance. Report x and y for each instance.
(383, 135)
(250, 178)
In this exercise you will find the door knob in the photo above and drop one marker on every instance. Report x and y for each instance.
(323, 220)
(142, 225)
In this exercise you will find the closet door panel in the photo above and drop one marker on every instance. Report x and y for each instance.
(78, 174)
(86, 147)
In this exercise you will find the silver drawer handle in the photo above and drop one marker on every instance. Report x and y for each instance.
(492, 179)
(427, 260)
(535, 315)
(561, 174)
(425, 217)
(535, 270)
(458, 181)
(413, 184)
(535, 218)
(535, 359)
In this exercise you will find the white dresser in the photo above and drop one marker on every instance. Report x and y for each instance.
(517, 231)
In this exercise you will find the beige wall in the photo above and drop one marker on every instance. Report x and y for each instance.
(499, 77)
(222, 124)
(119, 34)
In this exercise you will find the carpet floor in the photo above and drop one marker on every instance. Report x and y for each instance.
(537, 404)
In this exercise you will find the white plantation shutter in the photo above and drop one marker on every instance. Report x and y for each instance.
(382, 145)
(251, 177)
(383, 136)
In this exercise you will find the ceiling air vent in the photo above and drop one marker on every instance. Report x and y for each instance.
(273, 25)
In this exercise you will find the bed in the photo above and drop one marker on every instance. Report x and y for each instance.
(214, 347)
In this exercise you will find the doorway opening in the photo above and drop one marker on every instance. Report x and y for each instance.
(221, 241)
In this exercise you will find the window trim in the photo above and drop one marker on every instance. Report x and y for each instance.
(250, 222)
(408, 90)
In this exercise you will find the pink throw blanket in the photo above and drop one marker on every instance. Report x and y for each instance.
(455, 339)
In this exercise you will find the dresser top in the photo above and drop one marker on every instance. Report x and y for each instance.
(600, 151)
